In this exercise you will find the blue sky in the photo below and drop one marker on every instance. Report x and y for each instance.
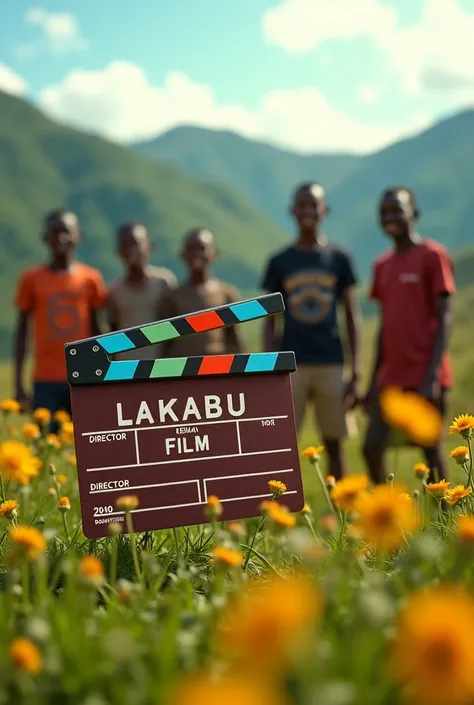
(306, 74)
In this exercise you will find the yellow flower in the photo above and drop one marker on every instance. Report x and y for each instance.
(433, 653)
(457, 494)
(64, 504)
(413, 414)
(53, 441)
(42, 416)
(26, 656)
(329, 523)
(91, 570)
(280, 515)
(235, 527)
(29, 539)
(383, 516)
(12, 431)
(421, 471)
(407, 497)
(67, 433)
(115, 528)
(229, 689)
(127, 503)
(31, 431)
(313, 453)
(214, 507)
(228, 556)
(277, 513)
(330, 481)
(353, 533)
(363, 552)
(263, 625)
(462, 425)
(61, 417)
(17, 462)
(71, 459)
(10, 406)
(61, 479)
(460, 454)
(266, 505)
(9, 508)
(276, 487)
(306, 509)
(465, 528)
(437, 489)
(346, 491)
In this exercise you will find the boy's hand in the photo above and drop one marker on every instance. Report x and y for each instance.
(369, 400)
(430, 389)
(22, 398)
(351, 394)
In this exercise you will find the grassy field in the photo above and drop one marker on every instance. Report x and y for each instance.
(361, 600)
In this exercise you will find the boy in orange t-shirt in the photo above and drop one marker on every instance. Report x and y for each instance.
(61, 299)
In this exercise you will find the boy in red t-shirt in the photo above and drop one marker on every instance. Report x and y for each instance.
(62, 299)
(413, 284)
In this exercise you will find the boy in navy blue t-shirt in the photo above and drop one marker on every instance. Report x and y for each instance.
(313, 278)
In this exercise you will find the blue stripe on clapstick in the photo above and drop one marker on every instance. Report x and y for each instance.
(261, 362)
(121, 370)
(248, 310)
(115, 343)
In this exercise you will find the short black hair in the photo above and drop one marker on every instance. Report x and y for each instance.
(130, 227)
(307, 186)
(395, 190)
(197, 231)
(58, 214)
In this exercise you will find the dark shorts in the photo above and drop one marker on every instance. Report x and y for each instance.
(53, 396)
(379, 432)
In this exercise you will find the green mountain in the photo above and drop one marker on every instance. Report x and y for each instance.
(265, 174)
(44, 166)
(437, 164)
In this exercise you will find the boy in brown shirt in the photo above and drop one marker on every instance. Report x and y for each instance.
(200, 291)
(135, 298)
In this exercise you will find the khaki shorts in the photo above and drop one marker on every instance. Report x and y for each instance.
(323, 385)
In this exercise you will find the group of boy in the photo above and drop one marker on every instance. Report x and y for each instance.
(413, 283)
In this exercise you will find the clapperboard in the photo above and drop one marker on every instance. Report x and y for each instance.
(174, 431)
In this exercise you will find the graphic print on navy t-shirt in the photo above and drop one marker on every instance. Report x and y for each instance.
(310, 295)
(311, 284)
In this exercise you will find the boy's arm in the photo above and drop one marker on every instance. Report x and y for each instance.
(19, 354)
(352, 314)
(167, 309)
(25, 304)
(97, 302)
(441, 281)
(375, 294)
(347, 287)
(271, 283)
(112, 313)
(428, 386)
(233, 335)
(269, 334)
(369, 397)
(95, 325)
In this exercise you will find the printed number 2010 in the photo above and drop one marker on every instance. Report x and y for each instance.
(103, 510)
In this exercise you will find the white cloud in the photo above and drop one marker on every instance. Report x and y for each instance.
(438, 52)
(300, 26)
(60, 32)
(367, 93)
(11, 82)
(120, 102)
(435, 53)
